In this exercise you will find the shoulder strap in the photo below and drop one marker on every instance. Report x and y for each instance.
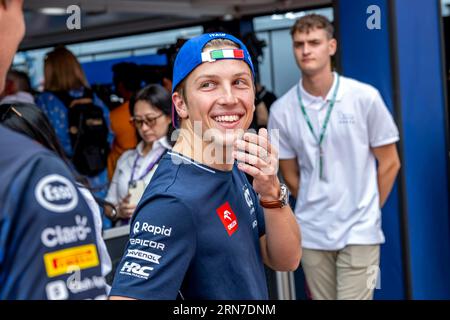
(64, 96)
(67, 99)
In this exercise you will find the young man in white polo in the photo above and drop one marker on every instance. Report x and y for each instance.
(333, 132)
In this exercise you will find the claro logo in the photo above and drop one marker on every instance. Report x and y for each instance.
(59, 235)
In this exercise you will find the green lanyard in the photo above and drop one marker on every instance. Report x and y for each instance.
(325, 124)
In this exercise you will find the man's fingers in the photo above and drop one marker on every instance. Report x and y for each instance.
(259, 140)
(251, 148)
(250, 159)
(250, 170)
(263, 133)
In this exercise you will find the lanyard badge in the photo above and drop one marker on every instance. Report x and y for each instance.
(132, 182)
(319, 139)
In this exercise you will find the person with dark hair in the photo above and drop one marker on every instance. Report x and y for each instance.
(29, 120)
(127, 82)
(67, 98)
(46, 231)
(339, 158)
(151, 118)
(18, 88)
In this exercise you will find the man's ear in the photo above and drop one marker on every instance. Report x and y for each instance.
(180, 105)
(332, 47)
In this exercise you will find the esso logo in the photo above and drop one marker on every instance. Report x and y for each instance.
(56, 193)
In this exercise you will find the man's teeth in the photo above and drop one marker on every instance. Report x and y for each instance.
(227, 118)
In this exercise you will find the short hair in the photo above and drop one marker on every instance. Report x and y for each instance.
(127, 73)
(311, 22)
(156, 96)
(20, 78)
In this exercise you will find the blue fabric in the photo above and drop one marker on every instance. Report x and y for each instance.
(57, 113)
(41, 212)
(179, 244)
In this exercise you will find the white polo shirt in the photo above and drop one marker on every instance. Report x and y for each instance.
(342, 208)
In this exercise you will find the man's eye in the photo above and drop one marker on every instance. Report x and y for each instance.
(207, 84)
(240, 82)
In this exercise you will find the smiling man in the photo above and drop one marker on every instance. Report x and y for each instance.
(213, 230)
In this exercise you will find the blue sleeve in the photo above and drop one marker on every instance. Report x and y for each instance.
(161, 246)
(56, 113)
(259, 213)
(259, 210)
(47, 237)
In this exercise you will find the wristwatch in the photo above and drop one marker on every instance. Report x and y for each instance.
(282, 202)
(113, 213)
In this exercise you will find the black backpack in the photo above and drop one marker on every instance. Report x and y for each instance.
(88, 133)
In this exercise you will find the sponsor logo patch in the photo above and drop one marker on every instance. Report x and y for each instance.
(248, 199)
(136, 270)
(59, 289)
(228, 218)
(147, 243)
(56, 290)
(64, 261)
(56, 193)
(149, 228)
(60, 235)
(147, 256)
(346, 118)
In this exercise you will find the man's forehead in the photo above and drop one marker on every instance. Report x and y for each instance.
(310, 34)
(225, 66)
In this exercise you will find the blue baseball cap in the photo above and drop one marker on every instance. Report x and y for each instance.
(191, 55)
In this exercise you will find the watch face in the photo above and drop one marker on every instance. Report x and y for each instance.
(284, 195)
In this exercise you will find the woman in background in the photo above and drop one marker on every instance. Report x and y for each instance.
(151, 116)
(64, 77)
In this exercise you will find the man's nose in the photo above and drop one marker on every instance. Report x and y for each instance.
(306, 50)
(227, 96)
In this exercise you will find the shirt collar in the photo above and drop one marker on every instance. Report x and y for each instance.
(158, 144)
(308, 99)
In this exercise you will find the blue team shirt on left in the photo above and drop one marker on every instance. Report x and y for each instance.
(47, 237)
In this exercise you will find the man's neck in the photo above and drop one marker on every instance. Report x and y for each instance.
(318, 84)
(203, 152)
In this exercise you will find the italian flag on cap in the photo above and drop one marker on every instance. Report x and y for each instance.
(214, 55)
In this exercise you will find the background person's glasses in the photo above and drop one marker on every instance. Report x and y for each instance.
(150, 122)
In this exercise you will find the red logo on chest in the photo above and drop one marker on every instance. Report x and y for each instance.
(228, 218)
